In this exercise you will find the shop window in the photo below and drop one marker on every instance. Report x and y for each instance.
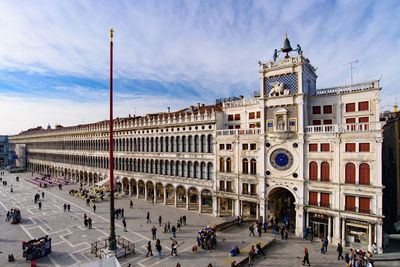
(316, 122)
(228, 165)
(350, 204)
(364, 174)
(328, 109)
(316, 110)
(324, 200)
(313, 198)
(363, 106)
(350, 107)
(313, 171)
(327, 122)
(253, 189)
(350, 173)
(252, 125)
(325, 147)
(229, 186)
(221, 146)
(245, 166)
(253, 146)
(350, 147)
(237, 117)
(252, 115)
(245, 146)
(325, 171)
(228, 146)
(237, 126)
(245, 188)
(258, 114)
(363, 147)
(364, 204)
(230, 117)
(313, 147)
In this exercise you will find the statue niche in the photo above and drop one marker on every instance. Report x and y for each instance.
(278, 89)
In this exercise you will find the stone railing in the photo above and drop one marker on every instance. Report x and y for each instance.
(242, 102)
(348, 88)
(348, 127)
(238, 132)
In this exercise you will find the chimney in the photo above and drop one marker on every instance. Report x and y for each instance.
(203, 105)
(168, 109)
(191, 109)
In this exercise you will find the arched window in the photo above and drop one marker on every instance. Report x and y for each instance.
(153, 166)
(221, 165)
(184, 169)
(157, 167)
(167, 168)
(161, 144)
(203, 144)
(196, 170)
(190, 165)
(190, 146)
(183, 143)
(152, 144)
(313, 171)
(143, 144)
(203, 171)
(167, 144)
(178, 169)
(178, 144)
(162, 167)
(172, 168)
(350, 173)
(325, 173)
(253, 167)
(364, 174)
(196, 144)
(157, 144)
(210, 144)
(228, 165)
(210, 171)
(245, 166)
(172, 144)
(139, 166)
(147, 166)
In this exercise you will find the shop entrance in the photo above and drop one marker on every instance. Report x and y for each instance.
(281, 205)
(249, 210)
(226, 207)
(319, 225)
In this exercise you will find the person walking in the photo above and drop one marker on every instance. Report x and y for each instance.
(148, 218)
(159, 249)
(259, 229)
(131, 204)
(69, 207)
(184, 219)
(252, 253)
(65, 207)
(265, 226)
(124, 224)
(165, 228)
(123, 213)
(88, 202)
(42, 194)
(251, 229)
(326, 244)
(282, 231)
(149, 251)
(90, 223)
(339, 250)
(322, 245)
(159, 220)
(154, 232)
(94, 208)
(285, 235)
(169, 227)
(305, 258)
(174, 247)
(8, 216)
(259, 249)
(178, 225)
(173, 230)
(40, 204)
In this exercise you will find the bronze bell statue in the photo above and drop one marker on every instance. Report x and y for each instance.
(286, 47)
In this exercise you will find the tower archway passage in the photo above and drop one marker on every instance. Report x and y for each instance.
(281, 205)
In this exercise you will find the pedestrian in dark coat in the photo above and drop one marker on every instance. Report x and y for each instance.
(305, 258)
(124, 224)
(40, 204)
(339, 250)
(282, 232)
(159, 220)
(251, 229)
(154, 232)
(148, 218)
(149, 251)
(94, 208)
(184, 219)
(326, 244)
(122, 213)
(131, 204)
(69, 207)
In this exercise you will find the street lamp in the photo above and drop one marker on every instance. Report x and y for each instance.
(112, 244)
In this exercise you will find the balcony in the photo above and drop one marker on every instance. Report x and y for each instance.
(350, 208)
(319, 204)
(348, 88)
(358, 209)
(233, 132)
(222, 189)
(249, 193)
(344, 128)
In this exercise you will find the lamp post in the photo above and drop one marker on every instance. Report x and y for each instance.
(112, 244)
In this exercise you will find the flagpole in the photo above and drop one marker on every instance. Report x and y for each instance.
(112, 244)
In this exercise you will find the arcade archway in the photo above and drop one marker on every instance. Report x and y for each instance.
(281, 205)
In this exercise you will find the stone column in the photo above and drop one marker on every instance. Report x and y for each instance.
(200, 210)
(129, 188)
(307, 219)
(165, 196)
(187, 200)
(343, 232)
(299, 220)
(137, 190)
(237, 207)
(215, 205)
(257, 211)
(370, 237)
(155, 194)
(175, 198)
(336, 230)
(379, 235)
(145, 191)
(329, 229)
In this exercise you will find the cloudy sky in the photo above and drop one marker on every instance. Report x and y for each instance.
(54, 55)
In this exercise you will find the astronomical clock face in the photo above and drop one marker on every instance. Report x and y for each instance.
(281, 159)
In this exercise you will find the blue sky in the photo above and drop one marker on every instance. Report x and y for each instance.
(54, 55)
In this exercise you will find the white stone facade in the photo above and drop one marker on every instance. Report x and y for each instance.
(311, 155)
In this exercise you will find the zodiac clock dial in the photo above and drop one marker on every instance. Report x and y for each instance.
(281, 159)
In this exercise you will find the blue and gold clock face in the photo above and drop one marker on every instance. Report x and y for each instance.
(281, 159)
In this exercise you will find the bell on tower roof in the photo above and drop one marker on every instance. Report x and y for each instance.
(286, 47)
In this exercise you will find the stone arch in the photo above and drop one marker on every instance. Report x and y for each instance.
(141, 187)
(159, 193)
(193, 195)
(170, 194)
(181, 196)
(206, 201)
(282, 202)
(150, 190)
(125, 185)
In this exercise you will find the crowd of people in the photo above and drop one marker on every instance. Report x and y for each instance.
(92, 194)
(36, 248)
(14, 216)
(206, 238)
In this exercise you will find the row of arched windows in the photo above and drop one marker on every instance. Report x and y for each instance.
(350, 172)
(190, 143)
